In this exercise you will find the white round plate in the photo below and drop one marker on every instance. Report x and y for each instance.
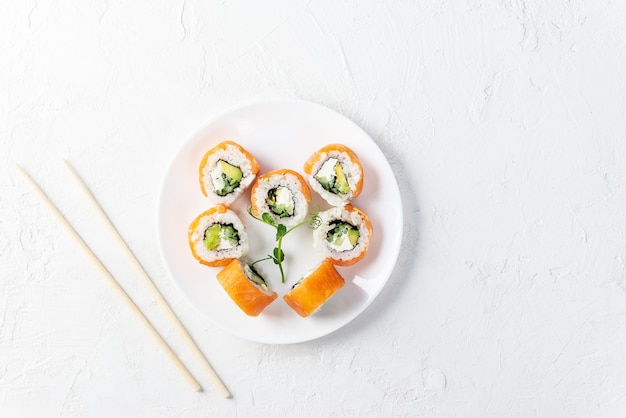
(280, 134)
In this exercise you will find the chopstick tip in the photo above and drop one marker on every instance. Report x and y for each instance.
(20, 169)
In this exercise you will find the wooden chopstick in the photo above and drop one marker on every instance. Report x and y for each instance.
(111, 280)
(148, 282)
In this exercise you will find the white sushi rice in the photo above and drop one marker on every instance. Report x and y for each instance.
(350, 169)
(233, 156)
(340, 214)
(228, 217)
(291, 182)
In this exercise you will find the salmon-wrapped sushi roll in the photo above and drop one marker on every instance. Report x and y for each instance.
(335, 173)
(343, 236)
(226, 171)
(246, 287)
(217, 236)
(283, 194)
(314, 289)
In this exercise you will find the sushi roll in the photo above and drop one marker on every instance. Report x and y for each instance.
(226, 170)
(314, 289)
(283, 194)
(217, 236)
(343, 236)
(335, 173)
(246, 287)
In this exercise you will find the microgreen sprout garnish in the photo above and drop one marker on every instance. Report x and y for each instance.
(278, 255)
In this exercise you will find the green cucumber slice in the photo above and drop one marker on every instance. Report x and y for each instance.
(280, 201)
(221, 237)
(225, 177)
(343, 236)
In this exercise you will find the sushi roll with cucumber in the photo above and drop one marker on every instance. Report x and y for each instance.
(314, 289)
(343, 236)
(217, 236)
(246, 287)
(226, 170)
(335, 173)
(283, 194)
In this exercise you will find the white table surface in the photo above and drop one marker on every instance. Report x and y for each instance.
(504, 121)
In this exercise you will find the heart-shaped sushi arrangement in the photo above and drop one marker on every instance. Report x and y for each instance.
(280, 198)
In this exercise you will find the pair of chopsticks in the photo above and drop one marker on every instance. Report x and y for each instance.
(120, 291)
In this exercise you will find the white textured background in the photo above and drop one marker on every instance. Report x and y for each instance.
(504, 120)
